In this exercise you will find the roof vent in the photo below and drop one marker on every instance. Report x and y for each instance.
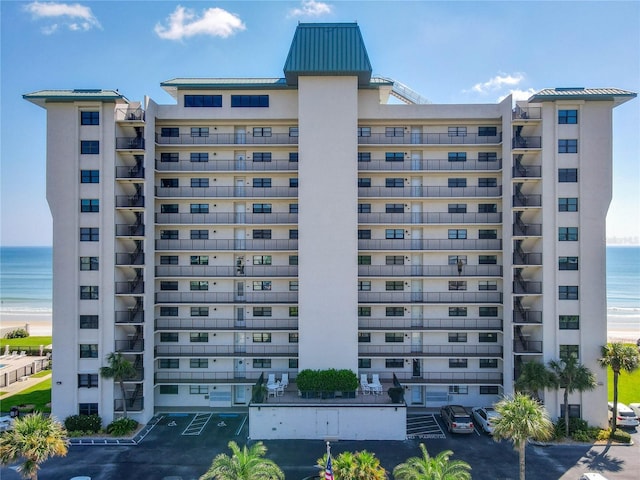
(568, 89)
(87, 90)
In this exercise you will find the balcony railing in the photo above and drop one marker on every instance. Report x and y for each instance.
(531, 258)
(471, 378)
(135, 405)
(430, 164)
(429, 217)
(130, 201)
(527, 200)
(430, 297)
(226, 297)
(129, 316)
(226, 271)
(130, 143)
(125, 230)
(429, 244)
(227, 244)
(526, 142)
(130, 258)
(429, 192)
(429, 271)
(527, 230)
(227, 139)
(527, 288)
(410, 138)
(208, 324)
(130, 114)
(225, 350)
(527, 346)
(526, 113)
(131, 346)
(228, 192)
(431, 350)
(129, 172)
(247, 377)
(186, 165)
(395, 323)
(226, 217)
(533, 171)
(130, 288)
(527, 317)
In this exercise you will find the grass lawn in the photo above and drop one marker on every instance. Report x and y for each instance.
(38, 396)
(16, 343)
(628, 386)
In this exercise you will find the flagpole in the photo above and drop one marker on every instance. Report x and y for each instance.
(328, 449)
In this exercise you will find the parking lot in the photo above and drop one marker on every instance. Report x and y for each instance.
(183, 446)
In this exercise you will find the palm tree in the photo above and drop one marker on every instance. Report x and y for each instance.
(354, 466)
(619, 357)
(120, 369)
(521, 418)
(34, 438)
(432, 468)
(245, 464)
(534, 377)
(571, 375)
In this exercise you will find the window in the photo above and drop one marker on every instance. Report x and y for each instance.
(88, 409)
(457, 285)
(168, 311)
(293, 183)
(364, 311)
(168, 234)
(169, 363)
(457, 156)
(488, 311)
(293, 285)
(89, 292)
(488, 390)
(294, 132)
(293, 208)
(261, 337)
(364, 337)
(169, 157)
(393, 363)
(454, 259)
(199, 131)
(364, 259)
(394, 132)
(293, 157)
(568, 145)
(457, 131)
(394, 233)
(457, 311)
(170, 132)
(394, 337)
(394, 157)
(261, 183)
(568, 204)
(293, 311)
(364, 208)
(199, 157)
(364, 182)
(198, 337)
(199, 208)
(89, 176)
(487, 208)
(487, 156)
(364, 131)
(364, 363)
(567, 175)
(169, 182)
(89, 322)
(364, 234)
(487, 234)
(264, 234)
(394, 311)
(487, 259)
(261, 157)
(199, 234)
(567, 263)
(457, 337)
(568, 292)
(574, 410)
(394, 208)
(168, 260)
(261, 208)
(249, 100)
(567, 351)
(261, 363)
(457, 363)
(484, 285)
(487, 182)
(458, 390)
(394, 182)
(198, 285)
(261, 311)
(169, 208)
(488, 363)
(394, 260)
(457, 208)
(203, 100)
(89, 263)
(90, 147)
(394, 285)
(262, 259)
(88, 350)
(87, 380)
(199, 182)
(199, 260)
(456, 182)
(364, 156)
(457, 233)
(261, 131)
(567, 117)
(89, 205)
(91, 234)
(199, 363)
(487, 131)
(198, 389)
(168, 337)
(89, 118)
(293, 259)
(364, 286)
(199, 311)
(262, 285)
(487, 337)
(293, 338)
(168, 389)
(568, 234)
(569, 322)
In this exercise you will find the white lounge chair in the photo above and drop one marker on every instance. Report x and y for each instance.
(376, 386)
(271, 379)
(364, 384)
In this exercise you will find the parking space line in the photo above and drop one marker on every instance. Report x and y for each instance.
(424, 426)
(244, 420)
(197, 424)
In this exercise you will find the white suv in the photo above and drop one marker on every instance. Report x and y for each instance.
(626, 417)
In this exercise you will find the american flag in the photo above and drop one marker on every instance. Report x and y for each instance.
(328, 471)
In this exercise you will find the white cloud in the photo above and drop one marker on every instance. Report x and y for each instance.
(311, 8)
(74, 17)
(497, 83)
(184, 23)
(519, 94)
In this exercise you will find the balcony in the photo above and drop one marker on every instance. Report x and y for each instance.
(226, 217)
(527, 346)
(129, 346)
(430, 165)
(227, 139)
(247, 377)
(429, 297)
(217, 324)
(126, 230)
(129, 143)
(130, 288)
(526, 113)
(429, 217)
(445, 324)
(527, 317)
(226, 166)
(469, 378)
(410, 138)
(522, 200)
(527, 229)
(429, 271)
(133, 405)
(519, 142)
(130, 258)
(129, 316)
(209, 350)
(524, 287)
(226, 271)
(226, 297)
(130, 201)
(429, 192)
(429, 244)
(533, 171)
(521, 258)
(130, 115)
(228, 244)
(227, 192)
(431, 350)
(125, 173)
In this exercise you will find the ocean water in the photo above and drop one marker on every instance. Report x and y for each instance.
(25, 283)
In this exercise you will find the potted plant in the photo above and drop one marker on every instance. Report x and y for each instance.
(396, 394)
(259, 393)
(307, 381)
(347, 383)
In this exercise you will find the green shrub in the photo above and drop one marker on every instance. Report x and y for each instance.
(122, 426)
(575, 425)
(18, 333)
(83, 423)
(330, 380)
(620, 436)
(603, 433)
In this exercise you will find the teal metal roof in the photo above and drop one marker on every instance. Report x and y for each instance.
(579, 93)
(172, 86)
(95, 94)
(327, 49)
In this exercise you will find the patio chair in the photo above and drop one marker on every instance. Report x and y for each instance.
(271, 379)
(285, 379)
(366, 389)
(376, 386)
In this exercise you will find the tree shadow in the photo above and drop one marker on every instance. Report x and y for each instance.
(602, 462)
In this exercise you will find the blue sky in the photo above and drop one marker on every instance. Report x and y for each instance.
(450, 52)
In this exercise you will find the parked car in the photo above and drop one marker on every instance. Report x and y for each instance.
(456, 419)
(626, 417)
(484, 417)
(592, 476)
(636, 409)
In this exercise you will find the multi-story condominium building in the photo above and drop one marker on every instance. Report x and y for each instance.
(269, 225)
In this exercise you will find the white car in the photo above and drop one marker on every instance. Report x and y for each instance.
(484, 417)
(636, 408)
(592, 476)
(626, 417)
